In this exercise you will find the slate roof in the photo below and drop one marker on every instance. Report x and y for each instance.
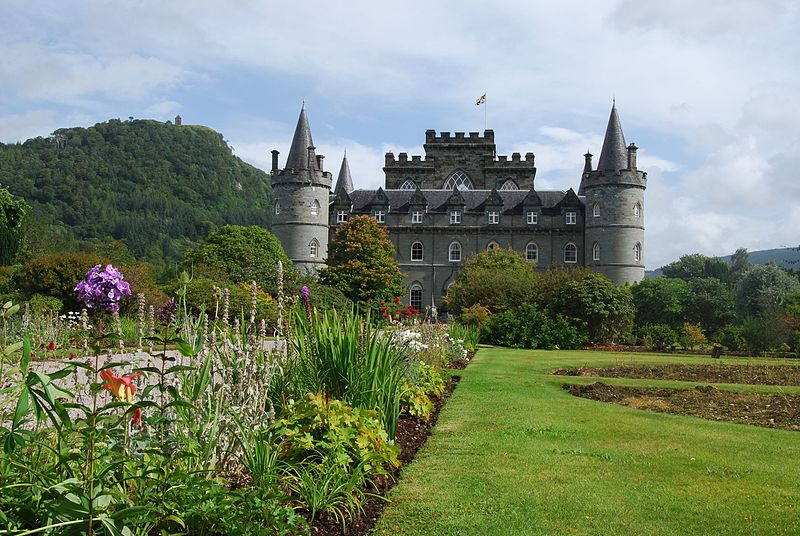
(614, 155)
(437, 200)
(298, 153)
(345, 180)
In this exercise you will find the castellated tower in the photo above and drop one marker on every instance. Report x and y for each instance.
(614, 198)
(300, 193)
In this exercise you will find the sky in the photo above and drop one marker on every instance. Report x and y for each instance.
(709, 91)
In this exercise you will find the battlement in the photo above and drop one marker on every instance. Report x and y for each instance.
(459, 137)
(516, 161)
(402, 160)
(302, 176)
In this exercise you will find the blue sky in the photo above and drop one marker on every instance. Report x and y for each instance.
(709, 91)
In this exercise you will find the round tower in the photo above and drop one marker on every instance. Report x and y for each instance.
(300, 193)
(614, 197)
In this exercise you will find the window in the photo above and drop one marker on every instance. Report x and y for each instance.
(416, 216)
(313, 249)
(637, 210)
(341, 216)
(570, 253)
(408, 184)
(459, 180)
(415, 296)
(596, 252)
(572, 217)
(637, 252)
(380, 216)
(315, 208)
(532, 252)
(455, 216)
(596, 210)
(416, 251)
(277, 207)
(533, 218)
(493, 246)
(509, 185)
(455, 252)
(494, 218)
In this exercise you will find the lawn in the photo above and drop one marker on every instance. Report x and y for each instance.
(513, 453)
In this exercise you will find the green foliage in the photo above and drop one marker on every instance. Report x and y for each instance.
(660, 301)
(499, 279)
(238, 254)
(414, 401)
(606, 308)
(764, 288)
(361, 263)
(325, 488)
(56, 275)
(527, 326)
(12, 211)
(697, 266)
(156, 187)
(41, 305)
(766, 332)
(658, 336)
(709, 303)
(470, 336)
(692, 336)
(731, 337)
(475, 316)
(323, 430)
(204, 294)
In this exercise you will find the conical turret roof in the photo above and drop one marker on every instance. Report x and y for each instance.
(614, 155)
(298, 153)
(344, 181)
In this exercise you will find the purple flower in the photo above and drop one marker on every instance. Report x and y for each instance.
(103, 289)
(304, 292)
(167, 312)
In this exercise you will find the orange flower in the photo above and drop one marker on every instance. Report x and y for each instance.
(121, 387)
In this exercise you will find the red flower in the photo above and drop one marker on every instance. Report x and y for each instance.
(386, 315)
(52, 346)
(396, 300)
(137, 418)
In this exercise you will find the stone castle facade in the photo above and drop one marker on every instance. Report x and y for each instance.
(461, 198)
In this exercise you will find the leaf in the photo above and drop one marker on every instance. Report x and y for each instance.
(186, 349)
(180, 404)
(13, 348)
(26, 353)
(23, 403)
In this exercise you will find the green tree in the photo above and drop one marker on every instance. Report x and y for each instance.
(12, 212)
(741, 263)
(239, 255)
(764, 288)
(709, 303)
(692, 335)
(498, 279)
(697, 265)
(661, 300)
(361, 263)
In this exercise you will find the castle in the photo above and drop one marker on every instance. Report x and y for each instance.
(462, 198)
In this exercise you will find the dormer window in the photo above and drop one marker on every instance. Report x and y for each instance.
(341, 216)
(416, 216)
(532, 218)
(509, 185)
(494, 217)
(571, 217)
(455, 217)
(380, 216)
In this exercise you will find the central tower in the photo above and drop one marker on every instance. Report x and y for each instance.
(300, 194)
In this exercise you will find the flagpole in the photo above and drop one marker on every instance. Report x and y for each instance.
(485, 112)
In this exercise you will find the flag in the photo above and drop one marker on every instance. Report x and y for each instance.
(481, 100)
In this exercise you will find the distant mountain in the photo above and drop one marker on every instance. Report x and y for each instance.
(783, 257)
(156, 187)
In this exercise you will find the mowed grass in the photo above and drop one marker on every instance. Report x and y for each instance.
(513, 453)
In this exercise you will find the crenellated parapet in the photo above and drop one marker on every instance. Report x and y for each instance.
(459, 138)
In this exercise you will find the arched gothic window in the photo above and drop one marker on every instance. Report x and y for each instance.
(637, 252)
(509, 185)
(493, 246)
(415, 296)
(459, 180)
(637, 210)
(596, 210)
(277, 207)
(570, 253)
(596, 252)
(313, 248)
(315, 208)
(416, 251)
(455, 252)
(408, 184)
(532, 252)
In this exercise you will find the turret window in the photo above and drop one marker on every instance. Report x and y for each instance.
(417, 252)
(596, 252)
(408, 184)
(532, 218)
(455, 217)
(315, 208)
(494, 217)
(277, 207)
(313, 249)
(637, 252)
(341, 216)
(596, 210)
(637, 210)
(416, 216)
(509, 185)
(455, 252)
(570, 253)
(571, 217)
(458, 180)
(532, 252)
(380, 216)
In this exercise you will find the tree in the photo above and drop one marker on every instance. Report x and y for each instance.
(12, 211)
(498, 279)
(660, 301)
(764, 288)
(361, 262)
(697, 265)
(239, 255)
(741, 263)
(709, 303)
(692, 335)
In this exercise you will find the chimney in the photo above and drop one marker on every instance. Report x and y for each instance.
(320, 158)
(275, 154)
(587, 165)
(632, 156)
(311, 159)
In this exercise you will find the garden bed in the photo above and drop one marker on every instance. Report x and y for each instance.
(412, 433)
(772, 410)
(717, 373)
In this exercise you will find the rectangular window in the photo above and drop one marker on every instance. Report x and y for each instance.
(455, 216)
(494, 218)
(416, 216)
(533, 218)
(380, 216)
(341, 216)
(572, 218)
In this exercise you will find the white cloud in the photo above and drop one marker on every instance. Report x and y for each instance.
(19, 127)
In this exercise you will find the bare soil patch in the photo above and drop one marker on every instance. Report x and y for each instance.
(716, 373)
(772, 410)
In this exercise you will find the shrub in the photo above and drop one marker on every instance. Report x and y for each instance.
(730, 336)
(692, 335)
(475, 316)
(206, 293)
(658, 336)
(529, 327)
(56, 275)
(41, 305)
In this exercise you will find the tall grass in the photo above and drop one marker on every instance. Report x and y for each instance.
(469, 336)
(348, 359)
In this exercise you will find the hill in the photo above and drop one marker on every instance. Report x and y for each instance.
(788, 258)
(155, 187)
